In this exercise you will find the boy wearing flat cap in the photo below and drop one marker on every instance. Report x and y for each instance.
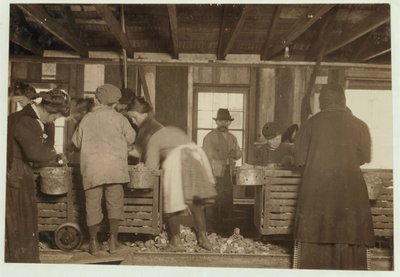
(103, 136)
(222, 150)
(274, 152)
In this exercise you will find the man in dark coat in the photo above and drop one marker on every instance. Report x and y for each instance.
(333, 222)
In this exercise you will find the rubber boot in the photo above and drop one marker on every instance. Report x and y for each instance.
(204, 241)
(94, 247)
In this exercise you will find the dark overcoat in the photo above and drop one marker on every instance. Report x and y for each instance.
(333, 205)
(26, 144)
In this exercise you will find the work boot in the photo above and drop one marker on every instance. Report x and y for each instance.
(204, 241)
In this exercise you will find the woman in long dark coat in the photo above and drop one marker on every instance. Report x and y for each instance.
(27, 143)
(333, 226)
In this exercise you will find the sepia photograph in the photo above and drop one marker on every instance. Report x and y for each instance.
(198, 138)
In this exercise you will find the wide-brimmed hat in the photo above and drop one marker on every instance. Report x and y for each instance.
(223, 114)
(108, 94)
(271, 130)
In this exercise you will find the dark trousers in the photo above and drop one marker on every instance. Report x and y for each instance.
(218, 214)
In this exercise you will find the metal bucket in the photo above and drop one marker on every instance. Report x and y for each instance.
(142, 178)
(249, 177)
(55, 180)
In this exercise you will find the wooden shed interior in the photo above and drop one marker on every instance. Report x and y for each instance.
(191, 59)
(275, 54)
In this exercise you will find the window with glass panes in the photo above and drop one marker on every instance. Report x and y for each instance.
(208, 103)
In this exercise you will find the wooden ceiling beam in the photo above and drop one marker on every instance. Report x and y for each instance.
(318, 45)
(26, 44)
(224, 48)
(173, 24)
(223, 30)
(70, 19)
(271, 31)
(371, 22)
(115, 28)
(299, 27)
(39, 14)
(373, 51)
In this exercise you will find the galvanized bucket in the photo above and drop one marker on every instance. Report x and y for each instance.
(55, 180)
(142, 178)
(249, 177)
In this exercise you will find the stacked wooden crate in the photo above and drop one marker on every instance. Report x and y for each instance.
(142, 208)
(54, 210)
(142, 211)
(382, 207)
(275, 203)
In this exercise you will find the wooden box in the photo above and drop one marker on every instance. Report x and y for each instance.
(275, 202)
(142, 209)
(382, 206)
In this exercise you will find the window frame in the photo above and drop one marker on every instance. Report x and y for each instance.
(223, 89)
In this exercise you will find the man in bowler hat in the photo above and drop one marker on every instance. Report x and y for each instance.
(222, 150)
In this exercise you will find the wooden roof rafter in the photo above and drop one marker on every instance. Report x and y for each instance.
(225, 43)
(371, 22)
(316, 49)
(271, 31)
(39, 14)
(26, 44)
(173, 24)
(115, 28)
(314, 13)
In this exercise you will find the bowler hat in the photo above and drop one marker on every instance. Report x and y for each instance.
(223, 114)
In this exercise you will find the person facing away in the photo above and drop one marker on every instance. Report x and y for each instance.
(103, 137)
(222, 150)
(274, 152)
(188, 179)
(26, 145)
(333, 225)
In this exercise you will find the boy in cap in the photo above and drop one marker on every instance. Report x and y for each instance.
(103, 137)
(274, 152)
(222, 150)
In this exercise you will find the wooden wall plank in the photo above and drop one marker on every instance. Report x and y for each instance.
(171, 98)
(265, 99)
(80, 75)
(284, 96)
(113, 74)
(19, 71)
(63, 72)
(34, 72)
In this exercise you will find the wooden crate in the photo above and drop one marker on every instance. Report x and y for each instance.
(275, 203)
(54, 210)
(382, 207)
(142, 209)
